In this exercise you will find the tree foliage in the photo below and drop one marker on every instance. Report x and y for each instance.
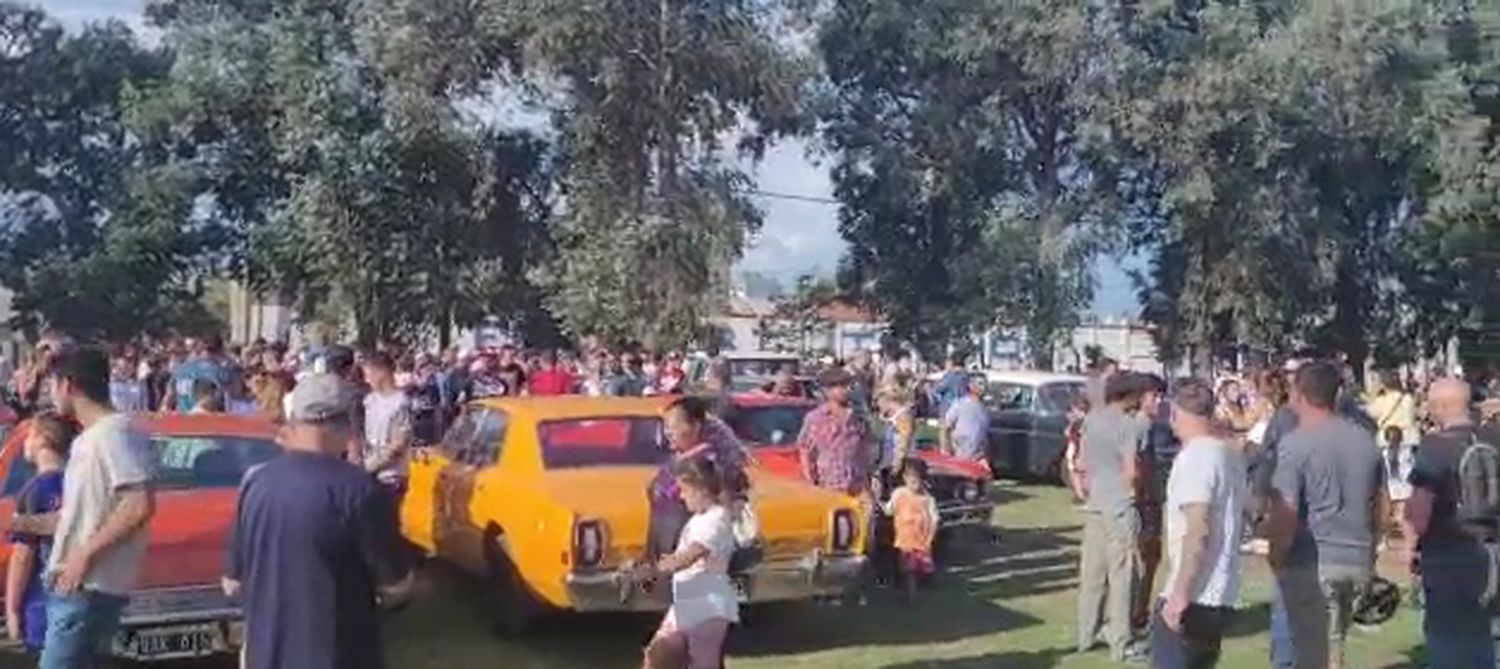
(654, 214)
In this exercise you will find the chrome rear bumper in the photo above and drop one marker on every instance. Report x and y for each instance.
(813, 575)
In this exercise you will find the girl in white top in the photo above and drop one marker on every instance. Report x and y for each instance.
(704, 603)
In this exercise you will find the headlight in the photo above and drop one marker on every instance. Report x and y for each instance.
(969, 491)
(843, 530)
(588, 543)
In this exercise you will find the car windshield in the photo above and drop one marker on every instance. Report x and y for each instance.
(183, 463)
(769, 425)
(590, 442)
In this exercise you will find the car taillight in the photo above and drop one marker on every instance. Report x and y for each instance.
(588, 543)
(844, 530)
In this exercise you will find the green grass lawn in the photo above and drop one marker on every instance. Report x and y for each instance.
(1007, 606)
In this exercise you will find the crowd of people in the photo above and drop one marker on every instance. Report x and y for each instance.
(1291, 462)
(1303, 468)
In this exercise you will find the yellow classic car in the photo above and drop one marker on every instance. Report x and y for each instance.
(545, 499)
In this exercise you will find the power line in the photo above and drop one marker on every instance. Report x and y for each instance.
(790, 196)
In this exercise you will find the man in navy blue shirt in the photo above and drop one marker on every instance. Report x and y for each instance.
(315, 548)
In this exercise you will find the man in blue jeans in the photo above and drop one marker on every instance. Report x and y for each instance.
(1454, 553)
(101, 528)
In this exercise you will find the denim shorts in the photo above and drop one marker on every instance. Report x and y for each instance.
(80, 627)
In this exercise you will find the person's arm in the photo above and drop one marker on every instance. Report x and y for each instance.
(932, 512)
(17, 572)
(682, 559)
(1194, 552)
(1281, 515)
(888, 507)
(1380, 505)
(1130, 462)
(128, 472)
(945, 430)
(805, 453)
(39, 524)
(905, 434)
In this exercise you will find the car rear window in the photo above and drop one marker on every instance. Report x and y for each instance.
(208, 462)
(768, 426)
(592, 442)
(1057, 397)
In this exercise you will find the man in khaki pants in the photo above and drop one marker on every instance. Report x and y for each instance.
(1109, 571)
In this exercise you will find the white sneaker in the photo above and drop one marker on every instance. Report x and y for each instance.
(1256, 547)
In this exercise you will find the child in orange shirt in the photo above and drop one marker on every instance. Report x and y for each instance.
(915, 515)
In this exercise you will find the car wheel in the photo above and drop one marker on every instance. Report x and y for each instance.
(512, 609)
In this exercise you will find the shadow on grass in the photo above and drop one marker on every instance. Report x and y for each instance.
(1416, 656)
(966, 600)
(1042, 659)
(1249, 622)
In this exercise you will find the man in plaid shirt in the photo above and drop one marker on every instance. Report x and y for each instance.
(835, 441)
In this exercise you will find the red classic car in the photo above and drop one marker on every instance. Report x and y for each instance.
(769, 425)
(179, 611)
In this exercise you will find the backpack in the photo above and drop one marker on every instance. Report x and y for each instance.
(1478, 498)
(1478, 502)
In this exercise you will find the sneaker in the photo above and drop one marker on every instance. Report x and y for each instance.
(1256, 547)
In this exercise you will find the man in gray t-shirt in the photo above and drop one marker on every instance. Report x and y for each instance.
(1109, 570)
(1327, 505)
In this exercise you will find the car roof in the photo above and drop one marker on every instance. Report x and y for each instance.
(760, 355)
(1020, 377)
(204, 425)
(1031, 377)
(562, 407)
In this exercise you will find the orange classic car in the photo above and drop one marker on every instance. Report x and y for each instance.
(179, 610)
(545, 500)
(770, 425)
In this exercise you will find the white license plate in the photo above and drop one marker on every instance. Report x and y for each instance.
(741, 588)
(171, 642)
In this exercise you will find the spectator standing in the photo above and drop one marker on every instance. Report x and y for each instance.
(46, 448)
(552, 378)
(896, 443)
(914, 515)
(965, 430)
(126, 392)
(206, 397)
(205, 364)
(101, 528)
(314, 548)
(834, 442)
(1327, 505)
(388, 422)
(952, 386)
(1455, 552)
(1207, 499)
(1109, 569)
(1152, 489)
(691, 432)
(1392, 408)
(670, 378)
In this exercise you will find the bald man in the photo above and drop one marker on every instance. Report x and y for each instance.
(1454, 555)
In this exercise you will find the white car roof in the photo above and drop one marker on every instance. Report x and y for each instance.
(1021, 377)
(760, 355)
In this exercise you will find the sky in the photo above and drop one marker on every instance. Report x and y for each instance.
(799, 237)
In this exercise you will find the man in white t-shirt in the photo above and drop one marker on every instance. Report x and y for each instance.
(387, 428)
(1205, 517)
(107, 502)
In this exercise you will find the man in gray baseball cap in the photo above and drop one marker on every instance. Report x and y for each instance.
(315, 544)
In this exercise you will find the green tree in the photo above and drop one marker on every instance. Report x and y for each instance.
(797, 320)
(975, 178)
(96, 238)
(654, 216)
(342, 160)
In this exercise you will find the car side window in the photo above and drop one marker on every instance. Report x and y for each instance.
(208, 461)
(489, 437)
(1011, 396)
(460, 435)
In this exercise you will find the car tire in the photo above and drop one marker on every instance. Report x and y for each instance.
(512, 609)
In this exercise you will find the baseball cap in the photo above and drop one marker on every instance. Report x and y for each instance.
(319, 398)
